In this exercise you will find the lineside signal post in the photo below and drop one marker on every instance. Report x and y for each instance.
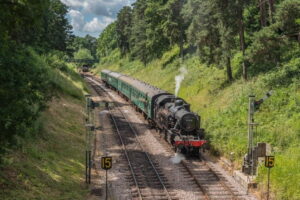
(251, 158)
(106, 164)
(269, 163)
(90, 129)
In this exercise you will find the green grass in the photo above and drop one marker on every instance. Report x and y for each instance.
(223, 108)
(50, 164)
(68, 81)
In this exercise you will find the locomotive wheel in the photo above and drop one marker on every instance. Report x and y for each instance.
(175, 149)
(166, 135)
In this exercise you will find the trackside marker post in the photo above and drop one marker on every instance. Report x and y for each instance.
(106, 164)
(269, 163)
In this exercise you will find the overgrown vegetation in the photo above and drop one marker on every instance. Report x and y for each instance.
(41, 101)
(231, 49)
(263, 33)
(88, 42)
(28, 31)
(49, 165)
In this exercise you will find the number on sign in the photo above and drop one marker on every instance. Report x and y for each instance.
(106, 163)
(269, 161)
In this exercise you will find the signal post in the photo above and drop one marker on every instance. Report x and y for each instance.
(89, 135)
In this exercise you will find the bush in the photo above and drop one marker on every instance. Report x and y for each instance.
(55, 61)
(169, 56)
(266, 50)
(285, 75)
(24, 91)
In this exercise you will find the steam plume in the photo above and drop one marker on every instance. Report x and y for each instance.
(179, 78)
(177, 158)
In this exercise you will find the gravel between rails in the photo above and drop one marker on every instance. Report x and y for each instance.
(149, 182)
(181, 181)
(107, 143)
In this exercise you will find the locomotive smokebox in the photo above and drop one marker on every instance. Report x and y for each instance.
(188, 121)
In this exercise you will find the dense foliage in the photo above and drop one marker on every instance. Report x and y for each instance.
(88, 42)
(261, 32)
(107, 41)
(28, 31)
(83, 54)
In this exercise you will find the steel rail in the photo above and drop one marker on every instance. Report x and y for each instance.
(196, 180)
(127, 157)
(203, 190)
(221, 181)
(139, 143)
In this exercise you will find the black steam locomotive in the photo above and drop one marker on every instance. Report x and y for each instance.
(85, 68)
(180, 126)
(167, 113)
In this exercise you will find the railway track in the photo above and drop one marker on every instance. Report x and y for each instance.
(210, 182)
(148, 182)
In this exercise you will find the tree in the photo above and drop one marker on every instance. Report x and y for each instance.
(56, 28)
(227, 11)
(83, 54)
(262, 11)
(107, 40)
(27, 28)
(87, 42)
(240, 10)
(22, 21)
(203, 31)
(174, 25)
(287, 15)
(266, 50)
(156, 41)
(123, 29)
(138, 39)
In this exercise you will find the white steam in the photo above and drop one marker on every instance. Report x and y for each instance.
(177, 158)
(103, 112)
(179, 78)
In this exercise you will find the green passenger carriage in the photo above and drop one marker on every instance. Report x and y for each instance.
(104, 74)
(139, 93)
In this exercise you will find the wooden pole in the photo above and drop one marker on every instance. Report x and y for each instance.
(106, 186)
(268, 193)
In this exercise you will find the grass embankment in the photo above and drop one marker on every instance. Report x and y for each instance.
(223, 108)
(50, 163)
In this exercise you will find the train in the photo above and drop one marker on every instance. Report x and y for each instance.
(85, 68)
(165, 112)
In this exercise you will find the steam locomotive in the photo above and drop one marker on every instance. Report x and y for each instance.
(85, 68)
(167, 113)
